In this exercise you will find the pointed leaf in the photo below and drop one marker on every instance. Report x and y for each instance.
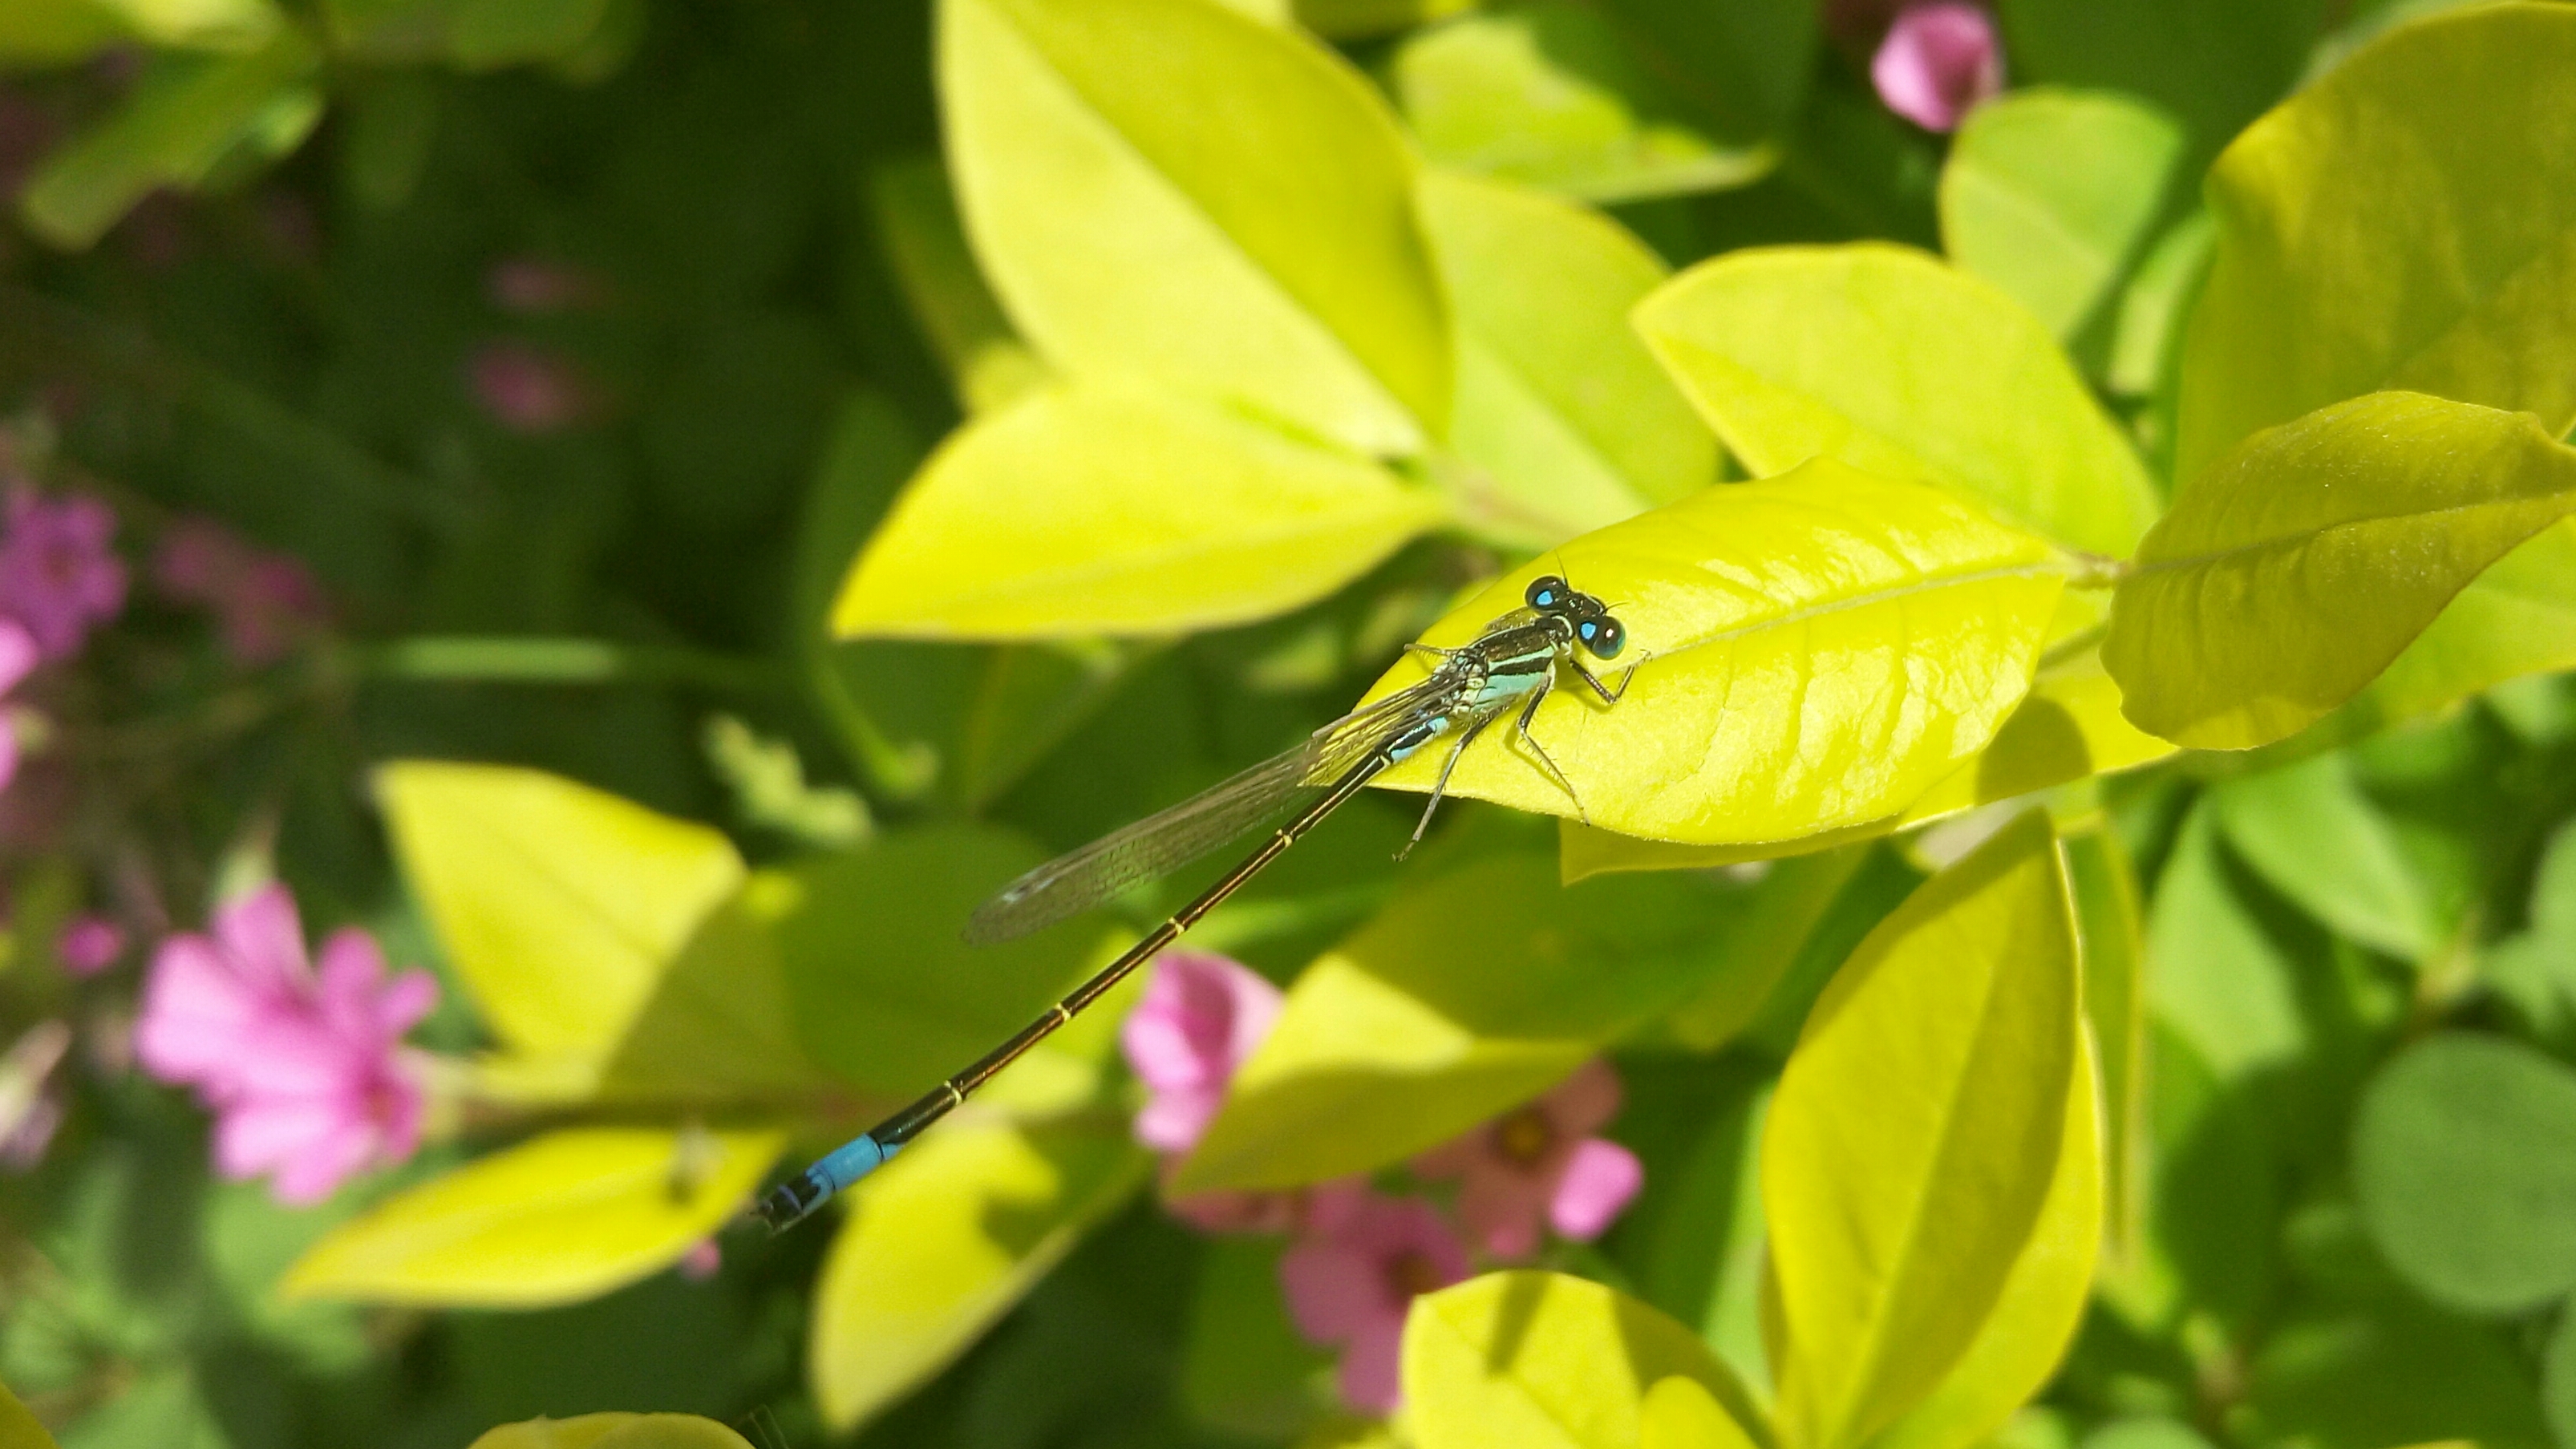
(1893, 362)
(1550, 94)
(941, 1242)
(1086, 509)
(1168, 190)
(1549, 1361)
(2050, 194)
(2115, 1009)
(559, 905)
(1558, 404)
(719, 1026)
(1814, 651)
(564, 1216)
(1916, 1134)
(2291, 573)
(2517, 618)
(2324, 290)
(2318, 840)
(2018, 1347)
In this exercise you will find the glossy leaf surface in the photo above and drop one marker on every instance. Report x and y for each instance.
(1895, 363)
(1915, 1137)
(1167, 190)
(2324, 290)
(1094, 509)
(1560, 410)
(564, 1216)
(2289, 575)
(1556, 1362)
(614, 1431)
(1816, 650)
(559, 905)
(2049, 194)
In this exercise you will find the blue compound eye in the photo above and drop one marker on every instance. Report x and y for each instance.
(1546, 592)
(1607, 640)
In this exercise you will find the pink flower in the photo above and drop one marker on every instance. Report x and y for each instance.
(262, 600)
(58, 578)
(1353, 1276)
(89, 945)
(18, 655)
(702, 1261)
(1542, 1161)
(1200, 1019)
(527, 389)
(1939, 59)
(301, 1071)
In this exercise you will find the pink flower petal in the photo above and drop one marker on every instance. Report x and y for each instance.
(1333, 1289)
(1501, 1210)
(18, 654)
(196, 1014)
(89, 944)
(1371, 1374)
(411, 997)
(263, 938)
(1599, 1181)
(1939, 59)
(1172, 1119)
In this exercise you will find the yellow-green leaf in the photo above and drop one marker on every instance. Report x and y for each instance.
(1547, 1361)
(18, 1428)
(1893, 362)
(188, 114)
(564, 1216)
(2049, 194)
(559, 905)
(943, 1240)
(1680, 1413)
(2293, 571)
(1813, 651)
(2021, 1341)
(2517, 618)
(1168, 190)
(1548, 92)
(1099, 509)
(2109, 922)
(1413, 1030)
(614, 1431)
(57, 32)
(925, 248)
(719, 1026)
(1916, 1133)
(2407, 223)
(1565, 421)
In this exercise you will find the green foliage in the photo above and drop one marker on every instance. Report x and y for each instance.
(780, 472)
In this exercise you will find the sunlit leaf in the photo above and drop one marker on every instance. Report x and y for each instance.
(232, 26)
(2464, 1162)
(2291, 573)
(1814, 651)
(1566, 418)
(2517, 618)
(1549, 93)
(188, 114)
(943, 1240)
(1893, 362)
(1469, 994)
(2115, 1008)
(2034, 1320)
(614, 1431)
(2325, 290)
(1549, 1361)
(718, 1027)
(18, 1428)
(558, 905)
(2049, 195)
(1168, 190)
(2311, 832)
(1680, 1413)
(1915, 1137)
(1091, 509)
(564, 1216)
(925, 245)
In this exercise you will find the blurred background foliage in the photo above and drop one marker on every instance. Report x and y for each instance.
(576, 346)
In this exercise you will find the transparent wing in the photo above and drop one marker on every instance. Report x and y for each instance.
(1167, 840)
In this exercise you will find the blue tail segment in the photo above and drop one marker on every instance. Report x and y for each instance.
(787, 1204)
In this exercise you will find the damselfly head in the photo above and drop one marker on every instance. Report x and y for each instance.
(1600, 633)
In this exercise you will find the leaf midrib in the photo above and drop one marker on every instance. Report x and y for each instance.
(2565, 499)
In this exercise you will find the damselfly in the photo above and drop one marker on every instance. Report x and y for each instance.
(1514, 661)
